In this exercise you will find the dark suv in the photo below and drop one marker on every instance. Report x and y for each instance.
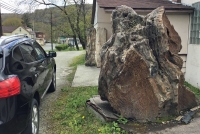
(27, 72)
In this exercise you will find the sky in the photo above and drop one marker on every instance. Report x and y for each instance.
(11, 3)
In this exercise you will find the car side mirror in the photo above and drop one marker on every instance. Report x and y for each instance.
(52, 54)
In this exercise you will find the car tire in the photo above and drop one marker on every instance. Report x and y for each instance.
(33, 125)
(52, 87)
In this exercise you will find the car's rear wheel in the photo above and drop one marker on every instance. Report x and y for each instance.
(52, 87)
(33, 126)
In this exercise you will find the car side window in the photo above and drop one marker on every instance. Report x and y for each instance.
(17, 55)
(28, 53)
(40, 52)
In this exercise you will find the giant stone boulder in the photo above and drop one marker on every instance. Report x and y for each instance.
(140, 68)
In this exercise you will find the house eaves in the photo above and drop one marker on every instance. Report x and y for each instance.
(8, 29)
(148, 10)
(145, 6)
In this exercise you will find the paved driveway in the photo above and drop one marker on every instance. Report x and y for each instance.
(47, 46)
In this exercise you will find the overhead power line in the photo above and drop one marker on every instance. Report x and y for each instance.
(10, 8)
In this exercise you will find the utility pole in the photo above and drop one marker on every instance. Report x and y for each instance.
(1, 31)
(51, 33)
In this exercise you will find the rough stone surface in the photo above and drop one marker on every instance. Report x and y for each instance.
(141, 71)
(90, 48)
(100, 40)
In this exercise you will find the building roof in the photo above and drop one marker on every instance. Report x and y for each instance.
(8, 29)
(39, 32)
(143, 4)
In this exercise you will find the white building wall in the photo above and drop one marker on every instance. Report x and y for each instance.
(193, 65)
(21, 30)
(7, 34)
(95, 16)
(193, 59)
(103, 20)
(190, 2)
(181, 24)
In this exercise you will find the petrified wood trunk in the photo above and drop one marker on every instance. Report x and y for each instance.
(141, 71)
(100, 40)
(90, 48)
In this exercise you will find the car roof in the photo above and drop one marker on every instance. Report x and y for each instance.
(8, 39)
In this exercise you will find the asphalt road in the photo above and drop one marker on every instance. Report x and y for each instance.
(47, 46)
(62, 70)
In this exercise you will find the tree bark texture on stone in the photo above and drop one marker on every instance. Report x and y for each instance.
(140, 67)
(90, 48)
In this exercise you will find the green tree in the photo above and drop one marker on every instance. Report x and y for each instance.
(12, 22)
(26, 20)
(42, 27)
(76, 17)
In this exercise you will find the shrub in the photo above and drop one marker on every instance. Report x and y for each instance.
(61, 47)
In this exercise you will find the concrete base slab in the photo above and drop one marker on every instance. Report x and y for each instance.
(86, 76)
(101, 109)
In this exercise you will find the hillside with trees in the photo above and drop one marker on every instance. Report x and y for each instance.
(40, 20)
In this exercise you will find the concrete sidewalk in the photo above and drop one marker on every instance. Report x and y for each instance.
(192, 128)
(86, 76)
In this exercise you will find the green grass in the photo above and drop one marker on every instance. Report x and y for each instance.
(195, 90)
(79, 60)
(74, 117)
(68, 48)
(70, 77)
(164, 119)
(70, 115)
(74, 49)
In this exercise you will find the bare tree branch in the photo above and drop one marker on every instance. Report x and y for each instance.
(75, 25)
